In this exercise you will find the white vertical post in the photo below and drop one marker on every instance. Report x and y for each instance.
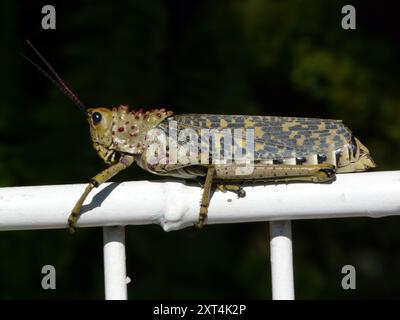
(115, 263)
(281, 260)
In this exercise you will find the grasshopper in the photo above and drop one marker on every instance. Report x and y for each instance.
(283, 149)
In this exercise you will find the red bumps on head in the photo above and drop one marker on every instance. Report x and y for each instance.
(139, 113)
(123, 108)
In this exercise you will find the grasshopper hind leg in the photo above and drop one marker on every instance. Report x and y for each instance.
(319, 173)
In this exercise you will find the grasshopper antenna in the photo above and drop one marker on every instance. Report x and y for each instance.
(60, 84)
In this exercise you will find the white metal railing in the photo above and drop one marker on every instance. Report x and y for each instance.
(175, 205)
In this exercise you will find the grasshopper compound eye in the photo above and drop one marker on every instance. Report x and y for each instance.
(96, 117)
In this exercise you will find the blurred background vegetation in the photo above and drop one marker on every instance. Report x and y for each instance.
(285, 58)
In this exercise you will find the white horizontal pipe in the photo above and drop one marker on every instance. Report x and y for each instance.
(175, 205)
(115, 281)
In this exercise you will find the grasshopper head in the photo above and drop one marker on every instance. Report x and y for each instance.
(100, 123)
(121, 130)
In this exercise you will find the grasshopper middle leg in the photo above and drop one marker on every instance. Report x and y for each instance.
(205, 199)
(224, 187)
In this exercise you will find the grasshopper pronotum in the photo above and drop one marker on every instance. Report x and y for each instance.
(282, 148)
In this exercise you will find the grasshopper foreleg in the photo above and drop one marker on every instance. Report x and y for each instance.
(97, 180)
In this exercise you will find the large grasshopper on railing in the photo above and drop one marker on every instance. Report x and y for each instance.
(273, 149)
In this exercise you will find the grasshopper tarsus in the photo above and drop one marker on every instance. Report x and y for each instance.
(71, 224)
(202, 216)
(71, 229)
(232, 188)
(241, 193)
(199, 225)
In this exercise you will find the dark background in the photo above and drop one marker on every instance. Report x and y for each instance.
(287, 58)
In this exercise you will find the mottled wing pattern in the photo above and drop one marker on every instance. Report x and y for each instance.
(276, 137)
